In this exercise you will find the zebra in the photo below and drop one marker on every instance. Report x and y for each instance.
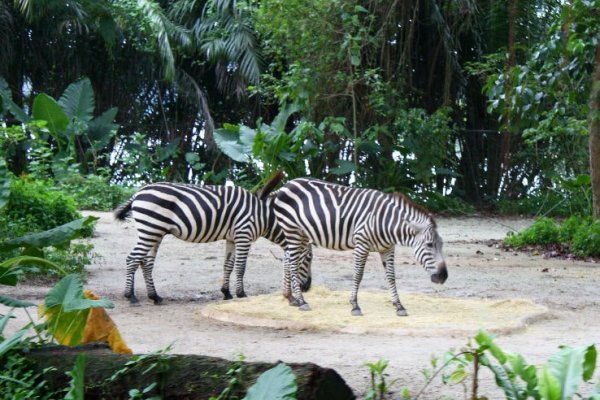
(202, 214)
(341, 218)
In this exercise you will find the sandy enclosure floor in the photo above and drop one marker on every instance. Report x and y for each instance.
(188, 276)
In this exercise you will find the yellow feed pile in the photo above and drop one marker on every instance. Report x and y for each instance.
(427, 315)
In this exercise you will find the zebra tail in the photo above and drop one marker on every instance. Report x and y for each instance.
(124, 210)
(270, 185)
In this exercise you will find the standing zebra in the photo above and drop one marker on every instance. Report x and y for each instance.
(201, 214)
(342, 218)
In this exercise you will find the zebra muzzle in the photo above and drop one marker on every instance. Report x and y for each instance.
(441, 275)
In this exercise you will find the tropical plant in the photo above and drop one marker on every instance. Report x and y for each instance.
(559, 378)
(278, 382)
(71, 131)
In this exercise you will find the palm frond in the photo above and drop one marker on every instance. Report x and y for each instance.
(164, 29)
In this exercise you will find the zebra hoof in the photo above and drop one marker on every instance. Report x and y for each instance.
(133, 301)
(157, 300)
(294, 302)
(357, 312)
(304, 307)
(241, 294)
(226, 294)
(401, 313)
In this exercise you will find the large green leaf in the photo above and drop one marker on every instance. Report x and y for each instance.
(548, 385)
(9, 269)
(47, 109)
(4, 321)
(68, 293)
(589, 364)
(229, 143)
(12, 341)
(66, 310)
(78, 100)
(280, 120)
(102, 129)
(57, 237)
(14, 303)
(278, 383)
(567, 366)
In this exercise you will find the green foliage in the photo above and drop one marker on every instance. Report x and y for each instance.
(19, 382)
(379, 387)
(560, 378)
(544, 231)
(65, 131)
(438, 203)
(76, 391)
(277, 383)
(4, 184)
(423, 143)
(59, 237)
(545, 98)
(566, 197)
(580, 234)
(586, 239)
(270, 144)
(38, 207)
(237, 376)
(156, 362)
(94, 192)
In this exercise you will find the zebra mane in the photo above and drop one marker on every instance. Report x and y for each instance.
(420, 210)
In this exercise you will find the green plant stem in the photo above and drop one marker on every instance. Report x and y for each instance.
(35, 327)
(475, 375)
(436, 373)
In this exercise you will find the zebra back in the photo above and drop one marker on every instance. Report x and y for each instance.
(329, 214)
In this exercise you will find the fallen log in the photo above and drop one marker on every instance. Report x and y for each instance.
(112, 376)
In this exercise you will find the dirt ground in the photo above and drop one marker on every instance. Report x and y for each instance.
(188, 276)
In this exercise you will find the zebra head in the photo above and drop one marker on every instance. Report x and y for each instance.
(427, 246)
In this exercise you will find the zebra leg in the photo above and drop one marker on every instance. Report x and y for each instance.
(360, 258)
(287, 287)
(133, 262)
(147, 268)
(296, 254)
(387, 258)
(242, 248)
(227, 269)
(305, 270)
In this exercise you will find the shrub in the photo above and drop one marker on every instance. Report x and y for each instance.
(438, 203)
(35, 205)
(95, 192)
(544, 231)
(586, 240)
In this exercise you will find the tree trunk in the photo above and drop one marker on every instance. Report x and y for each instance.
(594, 130)
(177, 376)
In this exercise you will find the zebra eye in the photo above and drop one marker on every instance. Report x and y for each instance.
(429, 244)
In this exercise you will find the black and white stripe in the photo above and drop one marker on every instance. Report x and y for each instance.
(342, 218)
(201, 214)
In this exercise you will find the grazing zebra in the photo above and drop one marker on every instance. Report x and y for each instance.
(202, 214)
(342, 218)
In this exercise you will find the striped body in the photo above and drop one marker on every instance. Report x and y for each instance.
(199, 214)
(364, 220)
